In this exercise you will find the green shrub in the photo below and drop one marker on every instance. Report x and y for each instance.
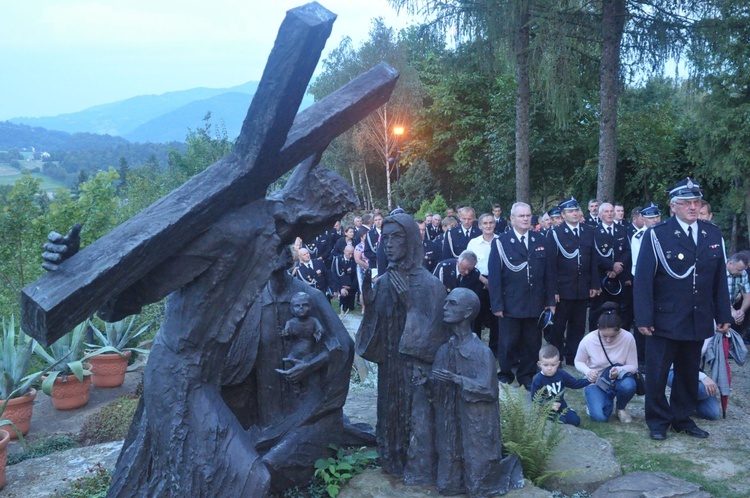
(528, 434)
(437, 205)
(332, 472)
(111, 423)
(43, 448)
(95, 485)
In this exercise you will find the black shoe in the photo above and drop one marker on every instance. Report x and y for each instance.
(694, 431)
(658, 435)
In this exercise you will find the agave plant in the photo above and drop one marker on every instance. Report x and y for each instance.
(16, 349)
(117, 335)
(67, 352)
(4, 421)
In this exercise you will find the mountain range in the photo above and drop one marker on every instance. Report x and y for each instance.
(159, 118)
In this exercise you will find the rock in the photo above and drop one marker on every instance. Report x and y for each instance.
(588, 461)
(375, 484)
(48, 475)
(647, 485)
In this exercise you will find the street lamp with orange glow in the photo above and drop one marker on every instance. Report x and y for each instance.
(393, 161)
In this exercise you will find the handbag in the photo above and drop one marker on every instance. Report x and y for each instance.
(640, 379)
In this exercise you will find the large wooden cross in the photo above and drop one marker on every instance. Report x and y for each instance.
(274, 138)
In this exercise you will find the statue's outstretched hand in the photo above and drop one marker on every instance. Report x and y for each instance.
(59, 248)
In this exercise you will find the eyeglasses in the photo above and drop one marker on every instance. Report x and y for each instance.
(691, 203)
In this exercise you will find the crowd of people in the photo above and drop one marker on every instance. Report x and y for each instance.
(655, 292)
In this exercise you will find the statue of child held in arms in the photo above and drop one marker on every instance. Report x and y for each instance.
(304, 332)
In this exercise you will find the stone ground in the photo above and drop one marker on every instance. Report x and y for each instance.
(723, 457)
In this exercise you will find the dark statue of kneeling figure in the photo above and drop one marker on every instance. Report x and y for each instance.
(438, 411)
(467, 413)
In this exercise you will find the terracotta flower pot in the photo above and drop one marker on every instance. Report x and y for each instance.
(68, 393)
(19, 410)
(4, 440)
(108, 369)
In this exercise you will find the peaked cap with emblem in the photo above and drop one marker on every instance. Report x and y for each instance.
(686, 189)
(571, 203)
(650, 211)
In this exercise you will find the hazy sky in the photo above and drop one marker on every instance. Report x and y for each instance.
(61, 56)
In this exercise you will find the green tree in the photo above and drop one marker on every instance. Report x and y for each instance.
(720, 55)
(205, 146)
(416, 184)
(373, 141)
(20, 238)
(123, 169)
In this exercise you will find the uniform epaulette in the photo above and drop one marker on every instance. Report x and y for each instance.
(663, 222)
(639, 234)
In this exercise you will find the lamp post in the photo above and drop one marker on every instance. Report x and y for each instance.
(398, 131)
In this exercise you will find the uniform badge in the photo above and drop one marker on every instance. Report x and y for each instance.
(512, 241)
(533, 239)
(680, 256)
(677, 233)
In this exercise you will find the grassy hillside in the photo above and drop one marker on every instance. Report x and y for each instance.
(8, 176)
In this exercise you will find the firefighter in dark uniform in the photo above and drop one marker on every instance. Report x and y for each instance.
(313, 272)
(431, 253)
(456, 239)
(576, 270)
(372, 240)
(593, 217)
(555, 216)
(680, 293)
(344, 278)
(501, 225)
(460, 272)
(521, 283)
(434, 229)
(613, 249)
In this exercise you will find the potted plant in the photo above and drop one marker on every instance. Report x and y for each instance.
(5, 435)
(15, 385)
(109, 366)
(70, 385)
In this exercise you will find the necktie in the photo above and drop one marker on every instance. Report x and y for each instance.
(523, 241)
(690, 234)
(575, 231)
(609, 230)
(466, 232)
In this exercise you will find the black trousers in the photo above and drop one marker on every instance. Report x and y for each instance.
(524, 336)
(486, 316)
(570, 314)
(661, 353)
(347, 303)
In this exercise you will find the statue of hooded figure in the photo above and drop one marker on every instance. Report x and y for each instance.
(401, 331)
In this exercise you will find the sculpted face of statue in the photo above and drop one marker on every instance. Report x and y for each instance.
(460, 305)
(394, 238)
